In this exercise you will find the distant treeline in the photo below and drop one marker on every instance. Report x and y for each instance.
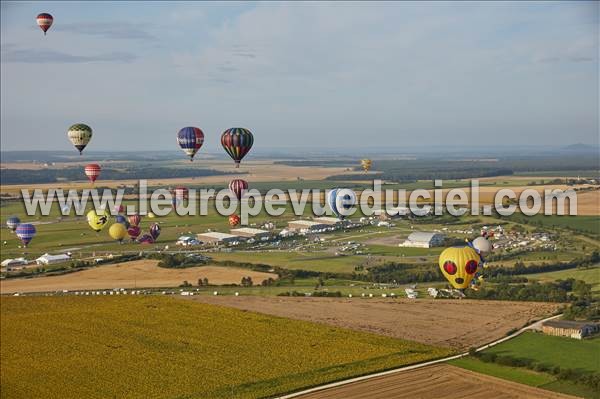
(20, 176)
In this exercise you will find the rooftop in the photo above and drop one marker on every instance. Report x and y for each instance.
(567, 324)
(422, 236)
(249, 230)
(307, 223)
(217, 235)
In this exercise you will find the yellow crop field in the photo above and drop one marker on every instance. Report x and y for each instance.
(158, 347)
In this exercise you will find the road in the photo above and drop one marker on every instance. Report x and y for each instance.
(365, 378)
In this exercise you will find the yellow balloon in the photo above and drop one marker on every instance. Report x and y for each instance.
(117, 231)
(151, 215)
(97, 221)
(459, 265)
(366, 164)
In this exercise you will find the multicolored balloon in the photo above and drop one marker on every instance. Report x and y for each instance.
(44, 21)
(80, 135)
(25, 232)
(181, 192)
(237, 142)
(459, 265)
(238, 186)
(234, 220)
(118, 208)
(135, 219)
(12, 223)
(97, 221)
(146, 239)
(117, 232)
(190, 139)
(92, 171)
(341, 198)
(154, 230)
(134, 232)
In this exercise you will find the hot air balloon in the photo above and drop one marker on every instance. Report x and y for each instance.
(459, 265)
(80, 135)
(238, 186)
(483, 246)
(134, 231)
(117, 232)
(340, 198)
(97, 221)
(234, 220)
(92, 171)
(237, 142)
(151, 215)
(118, 208)
(12, 223)
(190, 139)
(122, 220)
(366, 164)
(44, 21)
(25, 232)
(146, 239)
(154, 230)
(181, 192)
(135, 220)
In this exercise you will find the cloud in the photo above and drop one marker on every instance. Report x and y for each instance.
(112, 30)
(32, 56)
(581, 59)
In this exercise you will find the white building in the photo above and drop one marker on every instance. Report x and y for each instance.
(215, 237)
(421, 239)
(328, 220)
(48, 259)
(306, 225)
(249, 232)
(10, 263)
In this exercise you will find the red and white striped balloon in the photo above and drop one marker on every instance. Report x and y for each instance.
(92, 171)
(237, 186)
(44, 21)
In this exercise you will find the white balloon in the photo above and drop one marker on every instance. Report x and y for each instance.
(482, 245)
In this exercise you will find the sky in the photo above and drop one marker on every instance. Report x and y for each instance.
(330, 75)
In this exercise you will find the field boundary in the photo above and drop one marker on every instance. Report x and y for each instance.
(417, 365)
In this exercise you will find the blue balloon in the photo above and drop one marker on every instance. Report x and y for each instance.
(341, 198)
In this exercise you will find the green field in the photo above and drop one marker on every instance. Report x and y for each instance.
(555, 351)
(584, 224)
(590, 275)
(166, 347)
(524, 376)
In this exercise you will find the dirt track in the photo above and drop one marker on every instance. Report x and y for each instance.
(439, 381)
(458, 324)
(142, 273)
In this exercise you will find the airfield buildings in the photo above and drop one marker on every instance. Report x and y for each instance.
(215, 238)
(421, 239)
(571, 329)
(306, 225)
(48, 259)
(248, 232)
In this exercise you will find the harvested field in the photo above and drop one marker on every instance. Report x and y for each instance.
(438, 381)
(457, 324)
(141, 274)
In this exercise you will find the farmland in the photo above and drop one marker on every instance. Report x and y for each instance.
(184, 349)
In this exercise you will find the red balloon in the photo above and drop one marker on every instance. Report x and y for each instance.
(44, 21)
(134, 232)
(237, 186)
(181, 192)
(234, 220)
(134, 220)
(92, 171)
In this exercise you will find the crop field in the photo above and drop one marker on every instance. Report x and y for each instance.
(449, 323)
(590, 275)
(97, 347)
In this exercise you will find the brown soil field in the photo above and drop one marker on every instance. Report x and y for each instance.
(457, 324)
(140, 274)
(437, 381)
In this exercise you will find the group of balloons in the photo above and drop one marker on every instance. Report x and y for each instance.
(461, 264)
(25, 231)
(123, 226)
(236, 142)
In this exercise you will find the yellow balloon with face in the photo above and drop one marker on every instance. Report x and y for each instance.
(97, 220)
(459, 265)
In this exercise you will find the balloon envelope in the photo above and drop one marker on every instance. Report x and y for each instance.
(238, 186)
(366, 164)
(154, 230)
(339, 199)
(483, 246)
(117, 231)
(459, 265)
(234, 220)
(97, 221)
(44, 21)
(146, 239)
(134, 220)
(80, 135)
(237, 142)
(190, 139)
(25, 232)
(92, 171)
(12, 222)
(134, 231)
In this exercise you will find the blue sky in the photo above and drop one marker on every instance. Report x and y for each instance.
(301, 74)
